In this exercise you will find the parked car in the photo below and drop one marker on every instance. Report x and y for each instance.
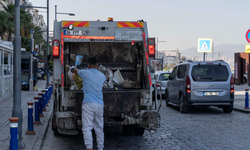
(203, 83)
(161, 81)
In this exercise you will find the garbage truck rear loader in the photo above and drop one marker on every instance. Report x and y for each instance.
(118, 46)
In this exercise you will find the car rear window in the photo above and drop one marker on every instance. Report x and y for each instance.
(205, 73)
(164, 76)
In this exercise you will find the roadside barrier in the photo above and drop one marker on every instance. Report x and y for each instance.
(37, 117)
(51, 92)
(40, 95)
(247, 99)
(13, 133)
(47, 96)
(44, 100)
(30, 119)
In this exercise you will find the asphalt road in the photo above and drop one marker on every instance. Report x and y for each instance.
(202, 128)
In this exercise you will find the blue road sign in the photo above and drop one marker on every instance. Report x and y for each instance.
(204, 45)
(32, 31)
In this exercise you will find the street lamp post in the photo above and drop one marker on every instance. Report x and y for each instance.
(46, 64)
(70, 14)
(158, 47)
(17, 111)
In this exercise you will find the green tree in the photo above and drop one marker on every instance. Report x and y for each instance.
(25, 42)
(3, 23)
(38, 37)
(10, 12)
(44, 49)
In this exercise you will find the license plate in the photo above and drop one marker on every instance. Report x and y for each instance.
(211, 93)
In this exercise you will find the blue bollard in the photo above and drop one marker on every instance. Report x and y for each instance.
(49, 93)
(30, 119)
(44, 100)
(40, 105)
(37, 117)
(47, 96)
(247, 99)
(13, 133)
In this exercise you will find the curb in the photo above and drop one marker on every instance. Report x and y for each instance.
(242, 110)
(43, 131)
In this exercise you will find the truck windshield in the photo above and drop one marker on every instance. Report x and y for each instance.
(204, 73)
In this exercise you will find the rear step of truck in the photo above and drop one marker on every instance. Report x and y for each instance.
(67, 132)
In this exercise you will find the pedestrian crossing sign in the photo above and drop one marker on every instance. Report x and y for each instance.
(204, 45)
(247, 48)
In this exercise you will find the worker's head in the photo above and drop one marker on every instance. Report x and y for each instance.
(92, 63)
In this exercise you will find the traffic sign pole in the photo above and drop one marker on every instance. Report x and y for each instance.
(204, 55)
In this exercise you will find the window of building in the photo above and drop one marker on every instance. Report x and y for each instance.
(6, 58)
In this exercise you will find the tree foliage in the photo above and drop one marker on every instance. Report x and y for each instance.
(3, 23)
(7, 25)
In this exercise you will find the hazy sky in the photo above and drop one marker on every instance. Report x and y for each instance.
(178, 22)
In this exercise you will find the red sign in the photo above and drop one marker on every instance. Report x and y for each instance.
(151, 47)
(248, 36)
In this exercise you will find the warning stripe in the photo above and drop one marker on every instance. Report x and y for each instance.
(75, 23)
(130, 24)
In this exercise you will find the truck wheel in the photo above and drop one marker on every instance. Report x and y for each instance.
(128, 129)
(55, 132)
(228, 109)
(183, 108)
(139, 131)
(167, 99)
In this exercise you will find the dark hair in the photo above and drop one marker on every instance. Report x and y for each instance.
(92, 60)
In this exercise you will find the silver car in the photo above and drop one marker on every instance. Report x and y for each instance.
(201, 83)
(161, 81)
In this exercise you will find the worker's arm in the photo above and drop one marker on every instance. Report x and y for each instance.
(107, 78)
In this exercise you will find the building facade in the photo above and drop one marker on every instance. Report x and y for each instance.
(6, 69)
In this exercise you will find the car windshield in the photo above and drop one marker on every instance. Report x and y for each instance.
(204, 73)
(164, 76)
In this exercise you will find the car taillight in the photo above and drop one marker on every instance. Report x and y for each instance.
(232, 85)
(56, 48)
(188, 84)
(158, 84)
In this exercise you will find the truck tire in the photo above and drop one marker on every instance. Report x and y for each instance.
(228, 109)
(139, 131)
(183, 108)
(55, 132)
(128, 129)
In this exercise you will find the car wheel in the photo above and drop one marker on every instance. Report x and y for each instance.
(228, 109)
(167, 99)
(183, 108)
(244, 80)
(128, 129)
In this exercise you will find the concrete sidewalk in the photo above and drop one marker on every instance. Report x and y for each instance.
(30, 141)
(239, 98)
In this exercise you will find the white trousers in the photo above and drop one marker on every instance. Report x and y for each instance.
(92, 117)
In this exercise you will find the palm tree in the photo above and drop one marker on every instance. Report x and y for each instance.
(3, 23)
(10, 11)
